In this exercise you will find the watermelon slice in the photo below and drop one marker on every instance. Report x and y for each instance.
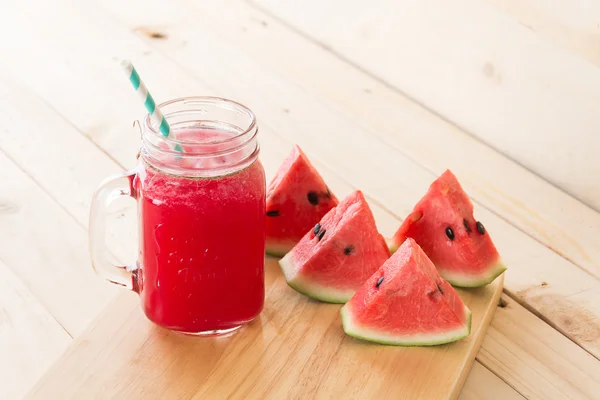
(297, 198)
(338, 254)
(442, 223)
(407, 303)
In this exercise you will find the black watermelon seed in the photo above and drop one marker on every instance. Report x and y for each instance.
(321, 234)
(467, 226)
(450, 233)
(328, 194)
(439, 288)
(349, 250)
(313, 198)
(480, 227)
(273, 213)
(317, 229)
(379, 282)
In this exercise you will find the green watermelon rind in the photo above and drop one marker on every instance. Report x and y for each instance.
(473, 281)
(434, 340)
(311, 289)
(278, 249)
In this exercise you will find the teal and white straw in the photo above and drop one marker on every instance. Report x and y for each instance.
(149, 103)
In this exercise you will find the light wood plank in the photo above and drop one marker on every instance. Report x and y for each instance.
(526, 350)
(31, 128)
(30, 339)
(94, 66)
(573, 24)
(78, 166)
(296, 349)
(527, 97)
(46, 248)
(482, 384)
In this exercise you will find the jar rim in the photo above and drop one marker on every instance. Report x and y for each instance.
(210, 156)
(152, 127)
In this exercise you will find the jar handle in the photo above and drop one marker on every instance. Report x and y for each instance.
(109, 190)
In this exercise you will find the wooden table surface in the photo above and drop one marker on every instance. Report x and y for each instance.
(383, 96)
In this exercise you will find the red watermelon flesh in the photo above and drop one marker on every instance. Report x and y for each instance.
(336, 256)
(297, 198)
(407, 303)
(442, 223)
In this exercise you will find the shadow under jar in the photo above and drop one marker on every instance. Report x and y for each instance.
(201, 213)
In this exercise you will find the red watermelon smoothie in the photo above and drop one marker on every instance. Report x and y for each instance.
(202, 239)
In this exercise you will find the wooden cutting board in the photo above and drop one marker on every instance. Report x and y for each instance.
(296, 349)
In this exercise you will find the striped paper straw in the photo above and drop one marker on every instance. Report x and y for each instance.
(149, 103)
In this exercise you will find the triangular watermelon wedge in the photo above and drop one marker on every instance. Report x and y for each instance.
(407, 303)
(442, 223)
(297, 198)
(338, 254)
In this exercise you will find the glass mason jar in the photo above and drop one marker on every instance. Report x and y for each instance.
(201, 218)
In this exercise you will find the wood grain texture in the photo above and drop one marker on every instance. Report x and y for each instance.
(46, 248)
(30, 338)
(77, 164)
(572, 24)
(482, 384)
(295, 349)
(528, 350)
(492, 76)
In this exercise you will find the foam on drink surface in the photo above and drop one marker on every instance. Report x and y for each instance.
(231, 186)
